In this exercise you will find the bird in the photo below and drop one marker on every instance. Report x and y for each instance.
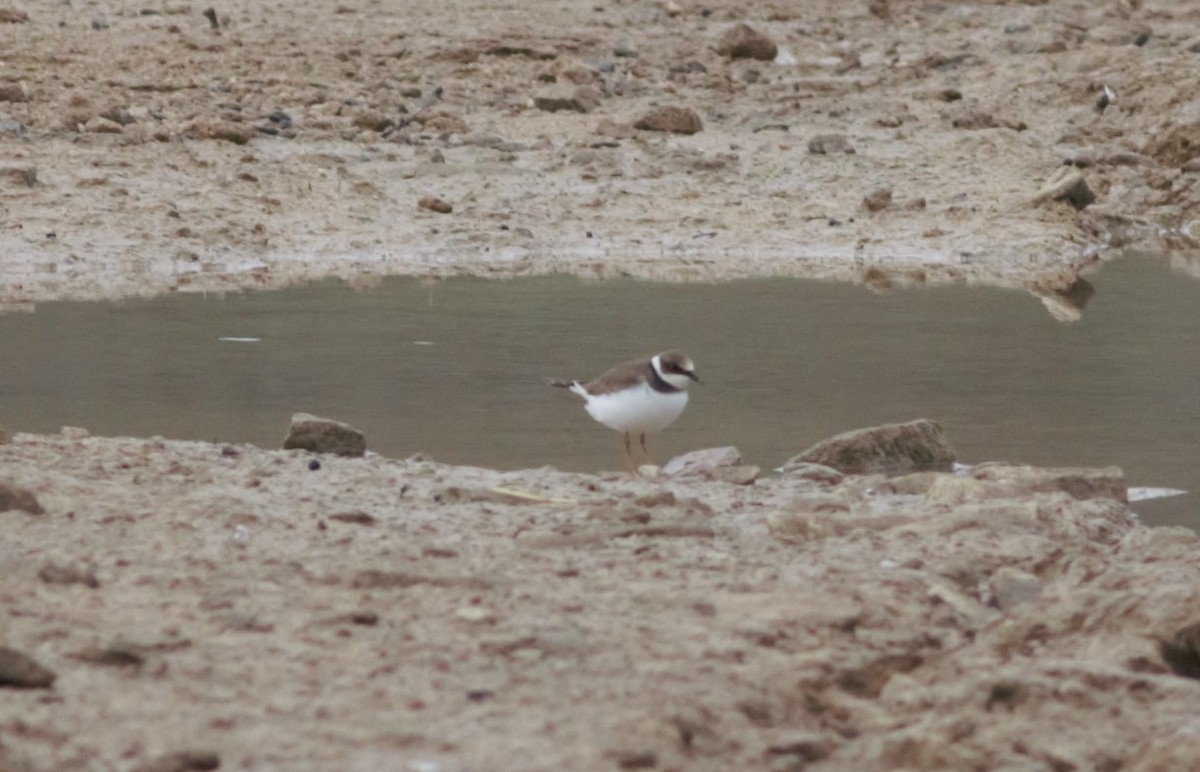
(638, 397)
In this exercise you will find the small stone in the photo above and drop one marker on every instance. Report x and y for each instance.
(12, 497)
(703, 463)
(182, 761)
(442, 123)
(75, 433)
(1011, 587)
(877, 200)
(69, 573)
(12, 92)
(22, 672)
(674, 120)
(21, 176)
(825, 144)
(672, 8)
(435, 204)
(1182, 652)
(474, 614)
(745, 42)
(323, 435)
(908, 447)
(98, 124)
(1068, 184)
(581, 99)
(373, 120)
(228, 131)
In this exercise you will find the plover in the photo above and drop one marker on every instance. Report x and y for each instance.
(638, 397)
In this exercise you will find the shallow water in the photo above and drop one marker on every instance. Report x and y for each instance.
(457, 368)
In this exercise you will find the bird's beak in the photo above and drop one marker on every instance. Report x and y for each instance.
(691, 374)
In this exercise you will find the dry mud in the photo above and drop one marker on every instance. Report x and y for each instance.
(146, 151)
(202, 604)
(368, 614)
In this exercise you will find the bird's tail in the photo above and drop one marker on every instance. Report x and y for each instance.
(561, 384)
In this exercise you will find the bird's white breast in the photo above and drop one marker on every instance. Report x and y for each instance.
(636, 410)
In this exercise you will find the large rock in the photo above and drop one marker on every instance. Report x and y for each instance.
(915, 446)
(324, 435)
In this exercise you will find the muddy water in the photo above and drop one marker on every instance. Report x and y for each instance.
(456, 369)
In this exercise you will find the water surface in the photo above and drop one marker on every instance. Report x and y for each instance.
(457, 368)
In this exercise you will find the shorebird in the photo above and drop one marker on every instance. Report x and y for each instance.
(638, 397)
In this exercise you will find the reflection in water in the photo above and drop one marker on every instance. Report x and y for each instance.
(458, 369)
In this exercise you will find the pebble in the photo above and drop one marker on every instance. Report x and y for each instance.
(22, 672)
(1068, 184)
(745, 42)
(824, 144)
(1011, 587)
(877, 200)
(228, 131)
(12, 92)
(69, 573)
(12, 497)
(435, 204)
(671, 119)
(581, 99)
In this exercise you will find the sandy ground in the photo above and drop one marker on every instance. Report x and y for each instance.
(238, 606)
(123, 173)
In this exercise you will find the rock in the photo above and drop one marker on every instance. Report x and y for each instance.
(373, 120)
(824, 144)
(12, 92)
(98, 124)
(21, 176)
(435, 204)
(877, 200)
(182, 761)
(745, 42)
(1067, 184)
(69, 573)
(12, 497)
(702, 462)
(815, 472)
(322, 435)
(75, 433)
(908, 447)
(228, 131)
(1182, 651)
(581, 99)
(22, 672)
(675, 120)
(1011, 587)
